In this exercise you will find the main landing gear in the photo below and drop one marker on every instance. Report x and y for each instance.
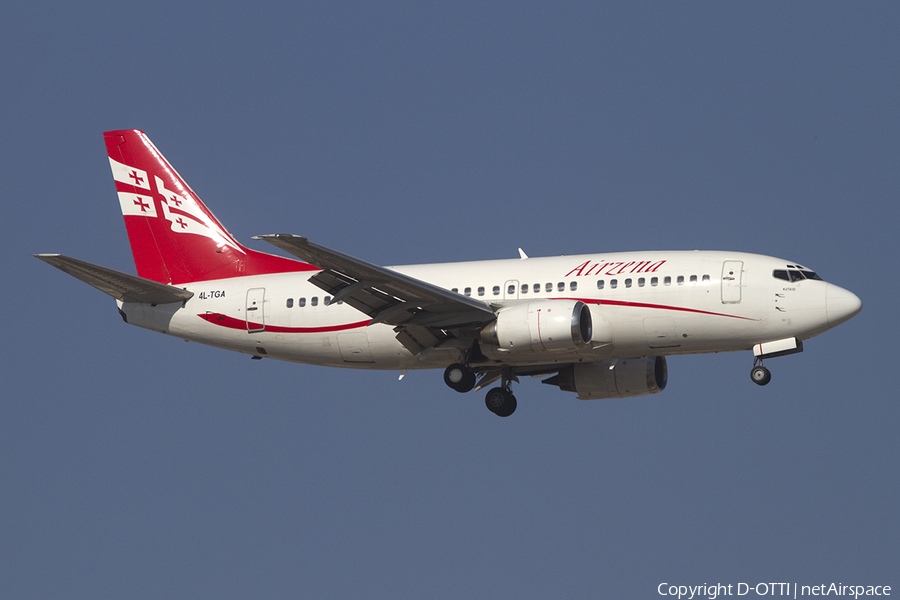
(499, 400)
(759, 374)
(459, 377)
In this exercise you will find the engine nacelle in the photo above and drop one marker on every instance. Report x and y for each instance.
(543, 326)
(622, 378)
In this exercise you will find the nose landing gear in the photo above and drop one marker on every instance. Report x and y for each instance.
(759, 374)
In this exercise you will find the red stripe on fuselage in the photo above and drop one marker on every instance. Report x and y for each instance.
(659, 307)
(232, 323)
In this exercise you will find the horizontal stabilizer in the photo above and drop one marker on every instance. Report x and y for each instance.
(121, 286)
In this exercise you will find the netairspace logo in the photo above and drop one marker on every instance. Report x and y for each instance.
(713, 591)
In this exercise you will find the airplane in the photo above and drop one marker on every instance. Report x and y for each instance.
(599, 325)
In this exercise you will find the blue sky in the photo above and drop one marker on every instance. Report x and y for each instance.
(137, 465)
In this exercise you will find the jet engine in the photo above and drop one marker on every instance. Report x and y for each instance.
(621, 378)
(543, 326)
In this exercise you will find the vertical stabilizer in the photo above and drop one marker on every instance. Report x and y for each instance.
(174, 237)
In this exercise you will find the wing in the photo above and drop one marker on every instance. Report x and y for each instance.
(423, 314)
(121, 286)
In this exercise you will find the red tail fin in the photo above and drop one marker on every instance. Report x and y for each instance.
(174, 237)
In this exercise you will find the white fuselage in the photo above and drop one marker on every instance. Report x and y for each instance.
(642, 304)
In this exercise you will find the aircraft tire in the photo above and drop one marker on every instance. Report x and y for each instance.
(500, 401)
(510, 409)
(459, 377)
(760, 375)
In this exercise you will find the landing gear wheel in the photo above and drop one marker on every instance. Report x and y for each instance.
(760, 375)
(459, 377)
(501, 402)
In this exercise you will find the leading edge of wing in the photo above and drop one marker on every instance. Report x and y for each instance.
(121, 286)
(383, 294)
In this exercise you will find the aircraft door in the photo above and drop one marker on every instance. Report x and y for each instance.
(511, 290)
(732, 271)
(256, 320)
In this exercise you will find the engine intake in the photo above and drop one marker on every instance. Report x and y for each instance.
(624, 378)
(544, 326)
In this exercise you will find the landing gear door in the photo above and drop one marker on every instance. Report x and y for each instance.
(256, 320)
(732, 273)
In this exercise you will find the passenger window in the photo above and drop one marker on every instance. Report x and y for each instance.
(600, 284)
(481, 290)
(326, 300)
(706, 278)
(693, 279)
(290, 302)
(573, 285)
(667, 280)
(301, 302)
(314, 301)
(561, 286)
(680, 280)
(468, 291)
(537, 288)
(524, 288)
(613, 284)
(548, 287)
(654, 281)
(641, 282)
(628, 282)
(455, 290)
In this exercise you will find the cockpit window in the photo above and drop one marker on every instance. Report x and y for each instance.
(793, 275)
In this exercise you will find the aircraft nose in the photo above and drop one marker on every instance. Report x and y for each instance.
(840, 304)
